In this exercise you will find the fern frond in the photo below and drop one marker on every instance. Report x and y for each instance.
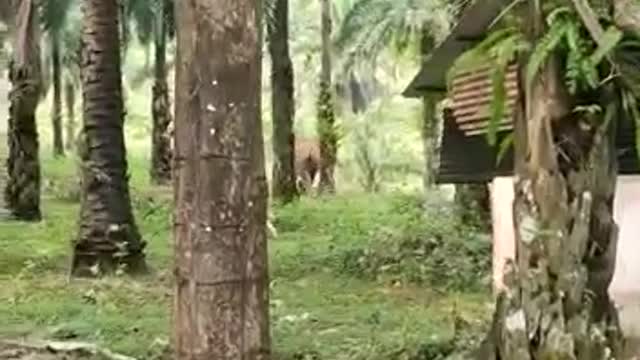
(610, 40)
(547, 45)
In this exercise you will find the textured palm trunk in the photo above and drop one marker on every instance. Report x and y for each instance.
(282, 105)
(108, 238)
(221, 286)
(556, 305)
(70, 103)
(326, 112)
(22, 194)
(161, 156)
(56, 109)
(427, 132)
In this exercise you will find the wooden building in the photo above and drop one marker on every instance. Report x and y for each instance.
(465, 155)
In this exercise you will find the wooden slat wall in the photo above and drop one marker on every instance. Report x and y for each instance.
(465, 155)
(471, 93)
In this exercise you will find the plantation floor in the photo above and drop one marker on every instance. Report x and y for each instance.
(317, 312)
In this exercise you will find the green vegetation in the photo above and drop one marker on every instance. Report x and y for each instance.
(337, 291)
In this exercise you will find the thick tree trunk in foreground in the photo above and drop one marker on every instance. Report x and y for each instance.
(22, 194)
(282, 104)
(221, 299)
(556, 305)
(326, 113)
(56, 109)
(70, 103)
(161, 156)
(108, 238)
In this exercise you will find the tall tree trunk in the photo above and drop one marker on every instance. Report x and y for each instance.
(221, 299)
(70, 103)
(326, 113)
(282, 104)
(161, 156)
(22, 194)
(56, 111)
(557, 305)
(429, 126)
(108, 238)
(427, 133)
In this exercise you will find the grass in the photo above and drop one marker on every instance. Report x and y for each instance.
(316, 308)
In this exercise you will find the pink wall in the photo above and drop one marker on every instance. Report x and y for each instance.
(625, 287)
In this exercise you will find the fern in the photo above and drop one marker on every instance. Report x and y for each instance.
(610, 40)
(545, 47)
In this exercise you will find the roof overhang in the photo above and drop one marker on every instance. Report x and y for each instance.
(471, 28)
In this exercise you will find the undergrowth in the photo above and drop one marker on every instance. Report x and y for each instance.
(353, 277)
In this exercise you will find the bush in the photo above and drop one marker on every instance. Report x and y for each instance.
(431, 247)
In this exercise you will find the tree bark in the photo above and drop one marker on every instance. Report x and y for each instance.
(557, 305)
(22, 194)
(326, 112)
(282, 104)
(56, 110)
(70, 103)
(221, 286)
(161, 155)
(108, 237)
(428, 133)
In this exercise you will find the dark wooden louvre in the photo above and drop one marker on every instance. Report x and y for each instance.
(465, 154)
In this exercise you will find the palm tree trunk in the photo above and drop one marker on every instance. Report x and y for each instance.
(557, 305)
(56, 111)
(22, 194)
(70, 103)
(282, 104)
(108, 238)
(221, 299)
(427, 133)
(161, 111)
(429, 128)
(326, 113)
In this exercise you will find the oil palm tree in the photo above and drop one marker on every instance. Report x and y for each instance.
(154, 22)
(403, 27)
(282, 101)
(580, 80)
(108, 237)
(54, 20)
(326, 127)
(22, 192)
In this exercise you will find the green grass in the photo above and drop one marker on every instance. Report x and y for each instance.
(316, 308)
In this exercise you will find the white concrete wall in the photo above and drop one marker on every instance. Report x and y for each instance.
(625, 286)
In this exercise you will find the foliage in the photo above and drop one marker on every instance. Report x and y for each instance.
(432, 249)
(316, 308)
(584, 67)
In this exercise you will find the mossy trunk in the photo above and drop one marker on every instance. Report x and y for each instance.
(108, 237)
(22, 193)
(556, 305)
(70, 103)
(161, 156)
(327, 132)
(428, 134)
(282, 105)
(56, 108)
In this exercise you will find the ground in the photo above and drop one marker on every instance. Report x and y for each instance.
(335, 292)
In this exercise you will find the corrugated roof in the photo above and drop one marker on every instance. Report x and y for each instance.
(470, 29)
